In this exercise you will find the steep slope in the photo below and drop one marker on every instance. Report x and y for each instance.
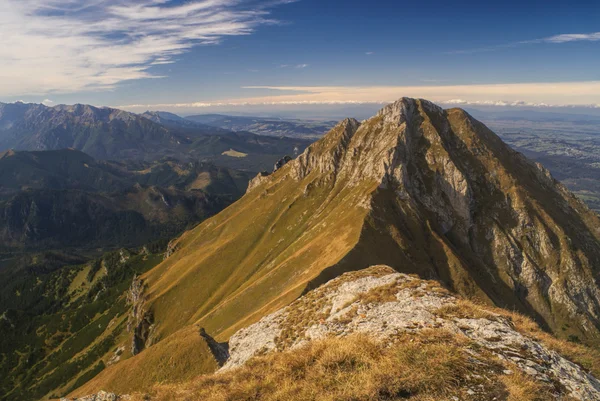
(59, 219)
(59, 169)
(100, 132)
(72, 169)
(418, 188)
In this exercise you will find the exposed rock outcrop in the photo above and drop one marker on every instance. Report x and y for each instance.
(384, 304)
(282, 162)
(171, 249)
(100, 396)
(498, 226)
(141, 319)
(263, 175)
(257, 181)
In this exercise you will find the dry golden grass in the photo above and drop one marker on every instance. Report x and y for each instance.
(521, 387)
(466, 310)
(431, 366)
(178, 358)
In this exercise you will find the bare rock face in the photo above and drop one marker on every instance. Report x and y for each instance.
(282, 162)
(171, 249)
(382, 304)
(329, 155)
(263, 176)
(426, 191)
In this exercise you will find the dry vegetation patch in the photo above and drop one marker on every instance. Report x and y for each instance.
(432, 366)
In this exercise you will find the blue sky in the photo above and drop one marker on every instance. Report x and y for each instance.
(199, 56)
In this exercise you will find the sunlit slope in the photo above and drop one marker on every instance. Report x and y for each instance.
(248, 261)
(258, 254)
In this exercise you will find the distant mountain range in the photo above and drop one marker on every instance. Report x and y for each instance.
(67, 199)
(112, 134)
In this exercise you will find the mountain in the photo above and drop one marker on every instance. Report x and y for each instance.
(66, 199)
(423, 190)
(112, 134)
(101, 132)
(310, 129)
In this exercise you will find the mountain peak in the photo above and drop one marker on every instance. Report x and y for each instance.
(402, 109)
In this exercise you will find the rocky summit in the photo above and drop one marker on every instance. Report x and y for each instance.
(426, 191)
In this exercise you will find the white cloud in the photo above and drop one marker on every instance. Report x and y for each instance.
(51, 46)
(47, 102)
(298, 66)
(570, 37)
(557, 39)
(369, 53)
(551, 94)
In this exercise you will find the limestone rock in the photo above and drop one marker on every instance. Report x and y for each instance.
(100, 396)
(257, 181)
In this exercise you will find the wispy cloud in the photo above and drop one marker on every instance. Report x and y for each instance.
(298, 66)
(369, 53)
(73, 45)
(557, 39)
(552, 94)
(569, 37)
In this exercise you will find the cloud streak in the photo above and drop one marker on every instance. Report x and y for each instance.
(66, 46)
(556, 39)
